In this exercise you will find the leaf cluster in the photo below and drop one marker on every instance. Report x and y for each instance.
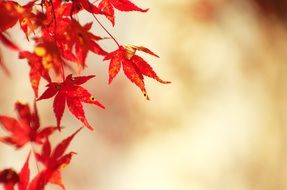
(61, 44)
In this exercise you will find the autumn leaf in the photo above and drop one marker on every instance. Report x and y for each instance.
(27, 19)
(107, 7)
(135, 67)
(77, 5)
(49, 57)
(24, 175)
(24, 129)
(8, 43)
(77, 39)
(54, 161)
(69, 91)
(85, 41)
(72, 43)
(37, 69)
(8, 10)
(50, 20)
(13, 12)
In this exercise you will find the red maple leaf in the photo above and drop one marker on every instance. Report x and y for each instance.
(77, 39)
(24, 175)
(27, 19)
(13, 12)
(135, 67)
(8, 42)
(51, 56)
(69, 91)
(107, 7)
(55, 11)
(53, 161)
(26, 128)
(37, 69)
(77, 5)
(8, 10)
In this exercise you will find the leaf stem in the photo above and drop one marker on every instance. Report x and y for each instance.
(104, 28)
(54, 17)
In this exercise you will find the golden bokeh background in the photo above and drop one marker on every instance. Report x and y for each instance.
(220, 125)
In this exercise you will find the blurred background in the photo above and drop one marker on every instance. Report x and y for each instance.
(220, 125)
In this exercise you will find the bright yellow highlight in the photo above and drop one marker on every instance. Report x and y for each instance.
(130, 51)
(40, 51)
(20, 9)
